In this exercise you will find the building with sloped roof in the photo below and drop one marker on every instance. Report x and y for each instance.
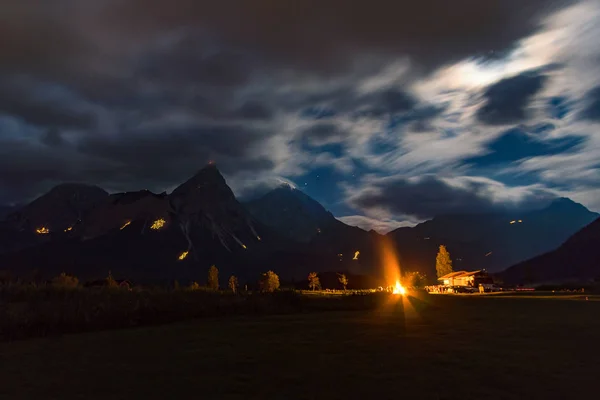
(465, 278)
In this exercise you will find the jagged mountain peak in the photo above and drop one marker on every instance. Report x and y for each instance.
(60, 207)
(292, 212)
(205, 200)
(69, 187)
(564, 203)
(205, 189)
(208, 176)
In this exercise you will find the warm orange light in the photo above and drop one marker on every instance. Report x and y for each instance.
(244, 246)
(159, 223)
(399, 289)
(69, 229)
(389, 261)
(42, 230)
(125, 225)
(356, 254)
(183, 255)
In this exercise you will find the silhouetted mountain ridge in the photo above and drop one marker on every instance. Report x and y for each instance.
(292, 213)
(577, 259)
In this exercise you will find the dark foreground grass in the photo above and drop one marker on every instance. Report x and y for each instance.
(478, 347)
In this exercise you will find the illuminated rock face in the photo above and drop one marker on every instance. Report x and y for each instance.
(120, 210)
(158, 224)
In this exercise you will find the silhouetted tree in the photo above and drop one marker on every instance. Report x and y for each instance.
(343, 280)
(213, 278)
(233, 283)
(443, 263)
(313, 281)
(269, 282)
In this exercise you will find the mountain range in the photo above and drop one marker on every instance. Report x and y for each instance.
(144, 236)
(575, 260)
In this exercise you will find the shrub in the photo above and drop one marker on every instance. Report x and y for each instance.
(65, 281)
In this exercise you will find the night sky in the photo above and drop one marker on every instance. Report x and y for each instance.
(388, 112)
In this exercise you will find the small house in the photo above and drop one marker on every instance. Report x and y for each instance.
(466, 278)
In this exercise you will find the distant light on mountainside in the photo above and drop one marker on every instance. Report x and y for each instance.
(158, 224)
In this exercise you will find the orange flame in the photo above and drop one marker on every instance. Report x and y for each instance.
(125, 225)
(183, 255)
(356, 254)
(42, 230)
(399, 289)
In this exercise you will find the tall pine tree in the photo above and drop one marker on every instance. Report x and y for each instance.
(443, 263)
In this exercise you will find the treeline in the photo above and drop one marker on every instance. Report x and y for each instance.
(63, 305)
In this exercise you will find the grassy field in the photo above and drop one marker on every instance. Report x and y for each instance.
(436, 347)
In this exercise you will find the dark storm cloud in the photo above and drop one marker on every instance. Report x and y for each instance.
(144, 159)
(321, 133)
(160, 145)
(376, 104)
(506, 101)
(52, 137)
(319, 34)
(419, 118)
(28, 169)
(592, 108)
(40, 104)
(387, 102)
(431, 196)
(191, 60)
(38, 37)
(254, 110)
(134, 61)
(517, 144)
